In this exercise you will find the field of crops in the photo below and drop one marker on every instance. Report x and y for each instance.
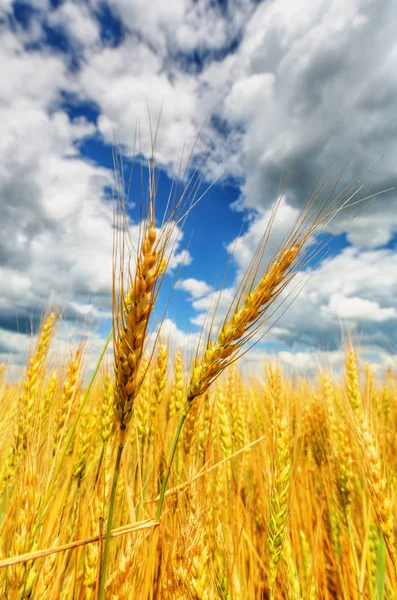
(277, 484)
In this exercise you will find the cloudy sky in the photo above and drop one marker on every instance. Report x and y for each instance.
(273, 87)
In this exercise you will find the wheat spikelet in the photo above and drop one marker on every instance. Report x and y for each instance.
(190, 429)
(198, 574)
(344, 470)
(90, 570)
(386, 405)
(121, 583)
(31, 385)
(36, 363)
(49, 395)
(238, 328)
(291, 572)
(143, 404)
(352, 381)
(371, 394)
(319, 434)
(310, 587)
(258, 415)
(328, 396)
(279, 499)
(176, 399)
(92, 556)
(225, 434)
(373, 544)
(236, 414)
(159, 377)
(377, 487)
(131, 316)
(88, 424)
(106, 421)
(191, 570)
(69, 393)
(47, 575)
(25, 532)
(204, 427)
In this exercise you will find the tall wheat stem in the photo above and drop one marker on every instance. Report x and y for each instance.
(76, 420)
(173, 452)
(116, 473)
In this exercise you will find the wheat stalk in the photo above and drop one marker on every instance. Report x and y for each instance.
(251, 310)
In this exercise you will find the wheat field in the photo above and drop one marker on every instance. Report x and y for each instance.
(171, 477)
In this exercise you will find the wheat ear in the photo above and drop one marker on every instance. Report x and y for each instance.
(131, 319)
(239, 326)
(131, 323)
(377, 487)
(279, 500)
(352, 381)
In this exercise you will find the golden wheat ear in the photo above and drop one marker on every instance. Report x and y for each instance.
(255, 300)
(377, 487)
(138, 272)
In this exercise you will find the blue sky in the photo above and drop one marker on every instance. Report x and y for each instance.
(273, 87)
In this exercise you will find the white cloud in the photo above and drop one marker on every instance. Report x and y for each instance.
(77, 21)
(312, 361)
(247, 94)
(125, 90)
(185, 25)
(308, 86)
(195, 287)
(18, 86)
(268, 228)
(5, 5)
(358, 308)
(178, 339)
(312, 86)
(89, 310)
(212, 308)
(372, 230)
(354, 291)
(57, 223)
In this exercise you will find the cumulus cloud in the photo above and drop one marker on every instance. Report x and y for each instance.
(77, 22)
(358, 308)
(184, 26)
(304, 88)
(125, 94)
(55, 213)
(353, 291)
(310, 363)
(195, 287)
(269, 229)
(304, 363)
(313, 87)
(177, 338)
(212, 308)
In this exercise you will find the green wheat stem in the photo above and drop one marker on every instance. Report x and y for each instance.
(173, 452)
(116, 473)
